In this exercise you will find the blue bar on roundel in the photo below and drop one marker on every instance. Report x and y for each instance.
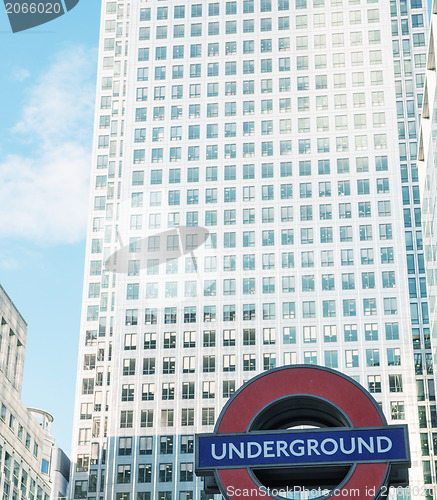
(324, 446)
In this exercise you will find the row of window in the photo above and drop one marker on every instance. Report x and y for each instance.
(162, 53)
(306, 214)
(248, 7)
(339, 80)
(266, 25)
(196, 29)
(165, 474)
(248, 129)
(267, 171)
(269, 313)
(266, 85)
(344, 188)
(208, 388)
(307, 258)
(267, 191)
(247, 46)
(268, 262)
(268, 309)
(269, 286)
(362, 164)
(229, 8)
(209, 364)
(266, 106)
(18, 480)
(193, 241)
(303, 84)
(307, 235)
(248, 336)
(267, 194)
(269, 338)
(13, 426)
(360, 143)
(249, 27)
(212, 69)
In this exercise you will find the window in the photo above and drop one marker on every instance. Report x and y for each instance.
(148, 392)
(248, 6)
(123, 474)
(351, 358)
(230, 48)
(391, 331)
(310, 357)
(372, 357)
(308, 283)
(248, 286)
(309, 309)
(228, 388)
(229, 362)
(331, 359)
(229, 313)
(289, 335)
(374, 383)
(249, 362)
(397, 410)
(228, 337)
(165, 473)
(269, 336)
(148, 366)
(208, 416)
(188, 390)
(387, 257)
(330, 333)
(269, 311)
(208, 364)
(186, 472)
(126, 419)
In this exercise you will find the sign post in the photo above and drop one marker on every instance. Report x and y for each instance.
(259, 448)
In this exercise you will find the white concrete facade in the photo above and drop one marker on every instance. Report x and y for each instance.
(275, 129)
(26, 443)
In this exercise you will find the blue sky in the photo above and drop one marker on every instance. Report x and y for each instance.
(47, 91)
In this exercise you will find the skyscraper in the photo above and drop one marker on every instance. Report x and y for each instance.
(254, 197)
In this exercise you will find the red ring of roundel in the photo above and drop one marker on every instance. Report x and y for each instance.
(355, 403)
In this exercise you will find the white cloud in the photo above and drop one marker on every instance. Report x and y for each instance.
(8, 263)
(19, 74)
(44, 189)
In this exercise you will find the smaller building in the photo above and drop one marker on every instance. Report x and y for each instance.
(427, 165)
(60, 475)
(32, 466)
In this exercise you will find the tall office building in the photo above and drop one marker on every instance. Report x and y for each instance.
(31, 467)
(254, 204)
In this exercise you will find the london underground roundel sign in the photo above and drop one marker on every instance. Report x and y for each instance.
(302, 425)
